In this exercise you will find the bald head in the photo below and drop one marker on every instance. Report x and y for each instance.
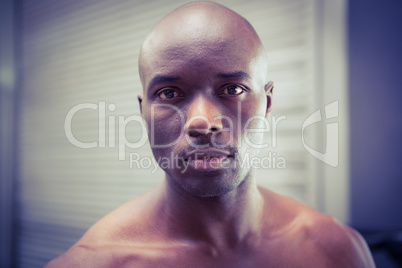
(199, 26)
(203, 19)
(204, 75)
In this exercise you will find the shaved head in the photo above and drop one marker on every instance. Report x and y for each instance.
(203, 68)
(194, 27)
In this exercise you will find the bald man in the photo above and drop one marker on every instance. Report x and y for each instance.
(204, 76)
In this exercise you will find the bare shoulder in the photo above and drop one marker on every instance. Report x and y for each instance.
(330, 242)
(111, 241)
(81, 255)
(341, 245)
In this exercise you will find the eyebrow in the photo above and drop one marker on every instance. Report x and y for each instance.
(236, 74)
(162, 78)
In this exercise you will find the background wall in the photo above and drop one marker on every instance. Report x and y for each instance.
(7, 130)
(375, 86)
(375, 92)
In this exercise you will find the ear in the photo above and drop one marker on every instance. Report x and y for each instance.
(139, 97)
(269, 87)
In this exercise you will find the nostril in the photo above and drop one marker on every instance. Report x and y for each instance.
(194, 132)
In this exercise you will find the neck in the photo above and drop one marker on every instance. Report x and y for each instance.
(223, 221)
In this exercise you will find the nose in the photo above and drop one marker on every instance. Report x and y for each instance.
(203, 118)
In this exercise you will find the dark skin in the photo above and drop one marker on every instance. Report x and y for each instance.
(208, 63)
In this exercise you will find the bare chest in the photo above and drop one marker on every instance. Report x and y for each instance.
(281, 254)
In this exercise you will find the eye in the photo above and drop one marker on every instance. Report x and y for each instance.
(233, 90)
(168, 94)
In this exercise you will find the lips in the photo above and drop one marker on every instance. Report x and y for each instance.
(207, 159)
(206, 153)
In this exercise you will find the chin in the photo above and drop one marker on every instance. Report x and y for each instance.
(208, 192)
(208, 184)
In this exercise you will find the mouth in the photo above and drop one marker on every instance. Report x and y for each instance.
(208, 159)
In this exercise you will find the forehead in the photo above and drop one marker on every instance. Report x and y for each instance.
(195, 57)
(198, 51)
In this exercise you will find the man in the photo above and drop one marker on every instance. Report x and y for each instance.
(204, 77)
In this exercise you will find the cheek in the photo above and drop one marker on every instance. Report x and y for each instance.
(165, 125)
(253, 107)
(254, 121)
